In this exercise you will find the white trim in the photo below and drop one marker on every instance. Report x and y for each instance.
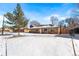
(43, 27)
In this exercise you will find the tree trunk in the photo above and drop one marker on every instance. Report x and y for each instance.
(3, 27)
(3, 31)
(60, 29)
(18, 31)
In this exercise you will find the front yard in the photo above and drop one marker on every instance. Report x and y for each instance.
(40, 45)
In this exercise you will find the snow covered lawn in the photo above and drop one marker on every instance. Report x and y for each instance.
(41, 45)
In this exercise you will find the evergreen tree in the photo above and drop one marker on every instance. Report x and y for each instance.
(17, 18)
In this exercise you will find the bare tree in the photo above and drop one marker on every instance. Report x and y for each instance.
(54, 20)
(72, 22)
(61, 24)
(34, 23)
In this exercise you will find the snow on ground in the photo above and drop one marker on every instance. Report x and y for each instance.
(2, 46)
(40, 45)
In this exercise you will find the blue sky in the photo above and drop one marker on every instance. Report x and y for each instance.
(40, 12)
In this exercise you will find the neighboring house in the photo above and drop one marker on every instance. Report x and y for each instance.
(74, 28)
(6, 29)
(49, 29)
(26, 30)
(22, 29)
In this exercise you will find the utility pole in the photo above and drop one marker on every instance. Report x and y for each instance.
(5, 47)
(72, 34)
(73, 47)
(3, 23)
